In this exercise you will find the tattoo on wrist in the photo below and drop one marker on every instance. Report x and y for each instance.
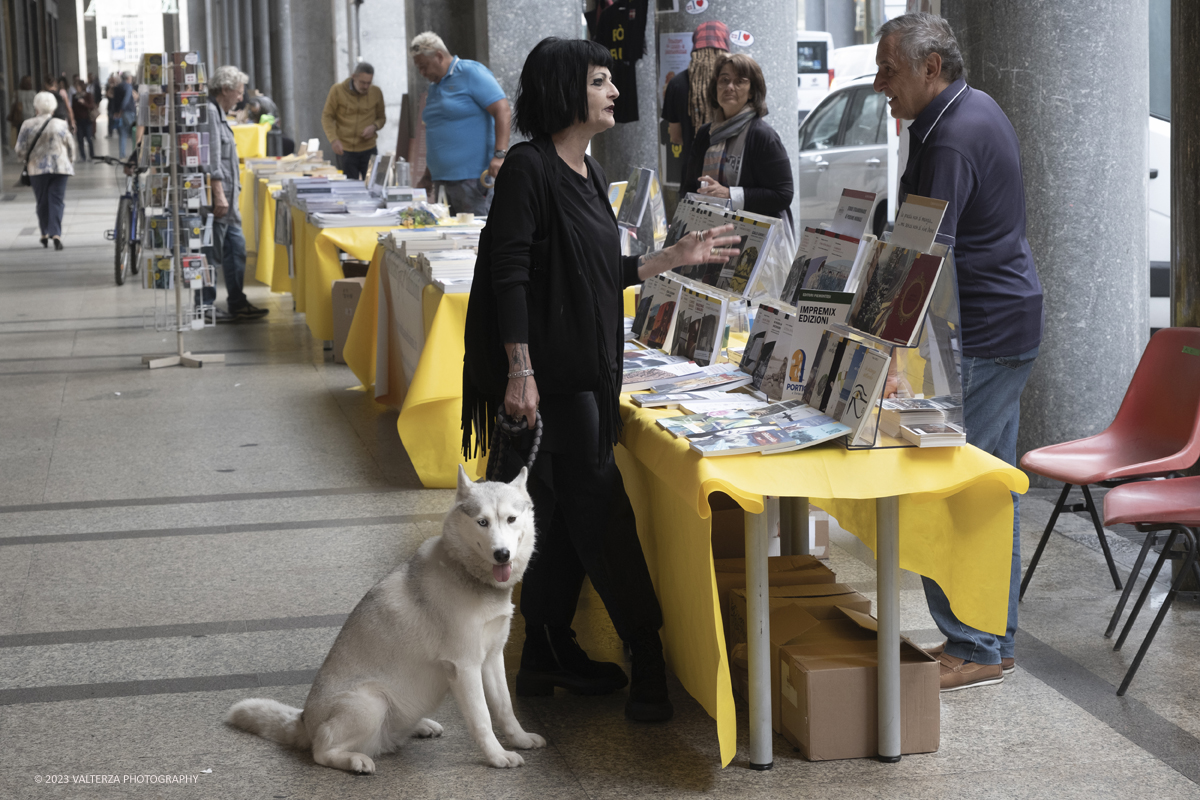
(646, 259)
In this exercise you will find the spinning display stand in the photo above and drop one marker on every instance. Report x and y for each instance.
(183, 150)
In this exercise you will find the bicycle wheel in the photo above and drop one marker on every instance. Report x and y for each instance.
(135, 244)
(123, 248)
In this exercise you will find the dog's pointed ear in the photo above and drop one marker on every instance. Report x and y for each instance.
(464, 483)
(519, 481)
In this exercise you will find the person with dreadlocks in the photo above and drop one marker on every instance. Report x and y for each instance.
(543, 341)
(685, 103)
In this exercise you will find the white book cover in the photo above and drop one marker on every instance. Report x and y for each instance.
(776, 370)
(738, 272)
(761, 341)
(853, 213)
(815, 312)
(864, 390)
(639, 378)
(831, 274)
(700, 327)
(660, 303)
(917, 222)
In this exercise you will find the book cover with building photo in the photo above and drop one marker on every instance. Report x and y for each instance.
(738, 272)
(832, 273)
(700, 329)
(690, 216)
(773, 367)
(660, 298)
(799, 268)
(759, 331)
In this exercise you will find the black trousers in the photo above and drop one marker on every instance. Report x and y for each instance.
(354, 164)
(585, 525)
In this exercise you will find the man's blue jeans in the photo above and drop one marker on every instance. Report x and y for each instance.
(229, 248)
(992, 413)
(125, 134)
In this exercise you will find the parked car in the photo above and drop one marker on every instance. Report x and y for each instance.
(844, 145)
(850, 63)
(813, 73)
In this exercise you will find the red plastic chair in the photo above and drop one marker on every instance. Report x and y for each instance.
(1170, 505)
(1156, 433)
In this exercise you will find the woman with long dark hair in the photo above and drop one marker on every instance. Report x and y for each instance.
(544, 333)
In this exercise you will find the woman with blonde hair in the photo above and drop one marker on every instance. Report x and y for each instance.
(47, 148)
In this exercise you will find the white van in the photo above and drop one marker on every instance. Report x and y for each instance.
(813, 72)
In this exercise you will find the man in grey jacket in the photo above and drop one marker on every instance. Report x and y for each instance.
(225, 90)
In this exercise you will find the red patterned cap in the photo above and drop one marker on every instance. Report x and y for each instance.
(711, 34)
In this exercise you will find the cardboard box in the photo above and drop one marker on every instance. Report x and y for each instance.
(789, 623)
(818, 600)
(345, 301)
(781, 571)
(828, 687)
(729, 528)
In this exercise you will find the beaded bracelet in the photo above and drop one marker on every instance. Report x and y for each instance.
(525, 373)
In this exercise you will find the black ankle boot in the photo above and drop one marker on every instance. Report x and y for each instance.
(552, 657)
(648, 700)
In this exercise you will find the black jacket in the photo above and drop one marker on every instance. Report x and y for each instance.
(527, 253)
(766, 171)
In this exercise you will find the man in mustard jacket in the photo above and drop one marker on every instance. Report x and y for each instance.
(352, 118)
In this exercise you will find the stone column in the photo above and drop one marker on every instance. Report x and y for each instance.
(773, 25)
(515, 26)
(1185, 164)
(629, 145)
(1082, 129)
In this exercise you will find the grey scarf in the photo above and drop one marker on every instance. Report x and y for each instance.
(727, 140)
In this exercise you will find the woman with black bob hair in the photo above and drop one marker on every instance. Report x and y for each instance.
(544, 333)
(738, 156)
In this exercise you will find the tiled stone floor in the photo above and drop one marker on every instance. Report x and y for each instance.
(171, 542)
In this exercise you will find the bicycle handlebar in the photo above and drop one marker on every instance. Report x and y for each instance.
(116, 162)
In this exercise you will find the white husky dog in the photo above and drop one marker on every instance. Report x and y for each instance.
(436, 623)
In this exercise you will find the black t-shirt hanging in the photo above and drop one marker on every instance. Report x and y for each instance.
(621, 27)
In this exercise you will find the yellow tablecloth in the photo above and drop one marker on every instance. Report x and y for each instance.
(955, 527)
(246, 207)
(270, 254)
(955, 506)
(315, 252)
(251, 140)
(361, 350)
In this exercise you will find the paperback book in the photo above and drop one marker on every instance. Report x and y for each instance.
(896, 412)
(714, 376)
(862, 387)
(894, 294)
(656, 310)
(700, 327)
(639, 378)
(762, 439)
(736, 274)
(761, 342)
(815, 312)
(934, 435)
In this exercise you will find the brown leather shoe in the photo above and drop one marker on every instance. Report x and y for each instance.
(1007, 665)
(958, 674)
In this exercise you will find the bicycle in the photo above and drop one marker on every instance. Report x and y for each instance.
(130, 218)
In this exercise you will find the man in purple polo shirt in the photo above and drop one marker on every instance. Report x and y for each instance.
(962, 149)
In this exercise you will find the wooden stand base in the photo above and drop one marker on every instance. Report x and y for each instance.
(195, 360)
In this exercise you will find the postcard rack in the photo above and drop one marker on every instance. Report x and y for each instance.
(173, 107)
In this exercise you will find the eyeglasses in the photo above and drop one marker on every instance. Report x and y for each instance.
(725, 80)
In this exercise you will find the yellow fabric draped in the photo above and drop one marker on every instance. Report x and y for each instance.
(251, 140)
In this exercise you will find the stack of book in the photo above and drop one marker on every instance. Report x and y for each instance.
(944, 434)
(912, 411)
(774, 428)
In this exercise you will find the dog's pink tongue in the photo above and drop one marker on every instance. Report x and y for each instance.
(501, 572)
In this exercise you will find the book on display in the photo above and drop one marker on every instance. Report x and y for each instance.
(853, 212)
(861, 390)
(713, 376)
(815, 312)
(762, 439)
(711, 400)
(934, 435)
(718, 400)
(700, 326)
(897, 284)
(616, 194)
(917, 222)
(651, 315)
(738, 273)
(760, 342)
(895, 412)
(639, 378)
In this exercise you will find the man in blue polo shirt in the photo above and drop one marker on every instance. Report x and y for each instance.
(467, 119)
(963, 149)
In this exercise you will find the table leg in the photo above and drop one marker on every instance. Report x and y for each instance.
(887, 544)
(793, 527)
(757, 640)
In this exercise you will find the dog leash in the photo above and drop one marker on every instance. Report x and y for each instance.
(511, 428)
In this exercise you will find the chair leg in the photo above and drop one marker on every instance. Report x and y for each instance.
(1151, 538)
(1189, 559)
(1091, 507)
(1037, 554)
(1141, 601)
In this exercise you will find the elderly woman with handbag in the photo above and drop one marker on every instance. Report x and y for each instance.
(47, 147)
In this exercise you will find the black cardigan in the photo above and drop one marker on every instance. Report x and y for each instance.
(528, 251)
(766, 171)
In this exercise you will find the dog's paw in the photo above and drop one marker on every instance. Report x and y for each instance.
(361, 764)
(427, 729)
(504, 759)
(526, 741)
